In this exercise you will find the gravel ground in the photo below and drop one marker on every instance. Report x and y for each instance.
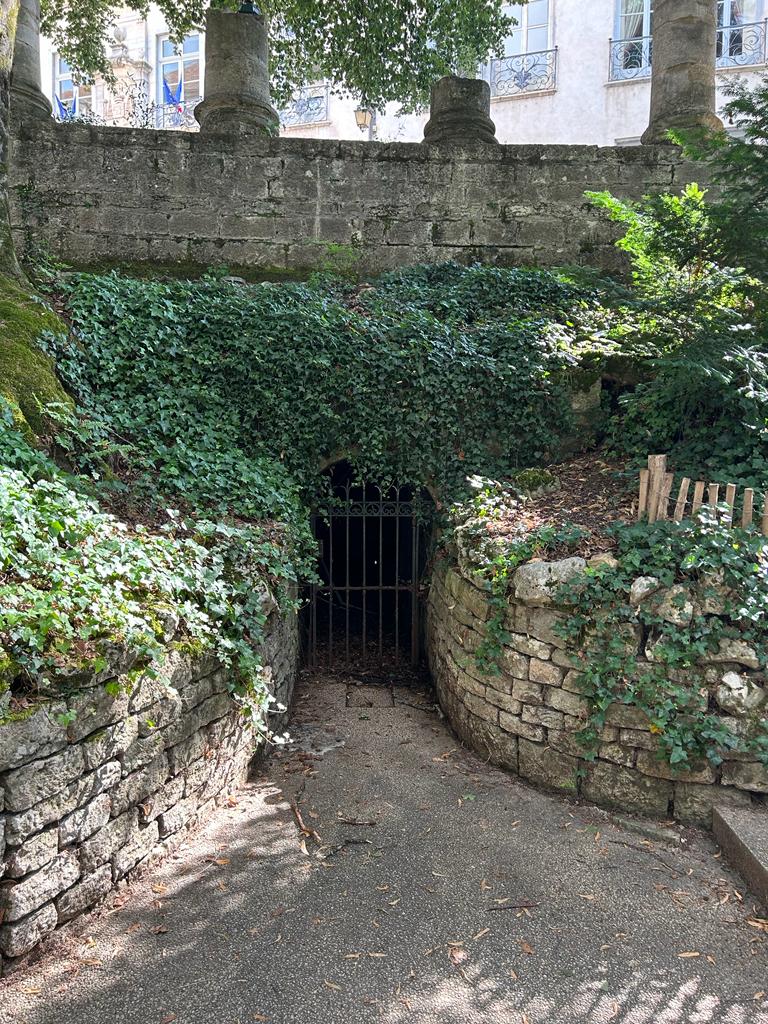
(376, 871)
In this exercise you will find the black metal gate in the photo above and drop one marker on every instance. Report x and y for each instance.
(365, 609)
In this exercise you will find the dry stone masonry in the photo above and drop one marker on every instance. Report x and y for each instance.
(85, 804)
(262, 206)
(525, 718)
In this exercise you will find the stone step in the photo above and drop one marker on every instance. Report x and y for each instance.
(742, 833)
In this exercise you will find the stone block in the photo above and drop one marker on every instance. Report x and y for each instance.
(626, 789)
(18, 827)
(161, 714)
(649, 763)
(694, 801)
(177, 817)
(37, 736)
(142, 751)
(25, 897)
(514, 664)
(625, 716)
(34, 853)
(85, 894)
(157, 803)
(110, 743)
(514, 724)
(637, 738)
(527, 692)
(567, 702)
(566, 743)
(136, 787)
(21, 937)
(735, 651)
(83, 822)
(100, 847)
(548, 767)
(545, 672)
(750, 776)
(183, 754)
(139, 846)
(536, 583)
(547, 717)
(40, 780)
(481, 708)
(95, 709)
(617, 754)
(503, 701)
(530, 647)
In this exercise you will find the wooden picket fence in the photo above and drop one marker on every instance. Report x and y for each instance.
(656, 497)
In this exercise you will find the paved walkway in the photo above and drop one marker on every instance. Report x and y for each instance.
(428, 888)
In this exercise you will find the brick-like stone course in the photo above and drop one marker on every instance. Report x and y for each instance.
(526, 718)
(262, 206)
(85, 804)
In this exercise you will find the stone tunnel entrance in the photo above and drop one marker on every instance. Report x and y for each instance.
(373, 542)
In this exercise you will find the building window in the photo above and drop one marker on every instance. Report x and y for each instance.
(529, 65)
(740, 33)
(310, 105)
(531, 33)
(71, 100)
(178, 81)
(632, 49)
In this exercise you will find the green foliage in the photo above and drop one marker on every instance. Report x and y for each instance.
(737, 163)
(232, 397)
(75, 580)
(700, 325)
(382, 52)
(710, 560)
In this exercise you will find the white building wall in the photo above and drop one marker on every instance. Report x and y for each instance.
(585, 107)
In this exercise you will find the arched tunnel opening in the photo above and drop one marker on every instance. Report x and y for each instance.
(364, 613)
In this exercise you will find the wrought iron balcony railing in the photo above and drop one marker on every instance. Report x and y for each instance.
(524, 74)
(176, 116)
(740, 46)
(630, 58)
(309, 106)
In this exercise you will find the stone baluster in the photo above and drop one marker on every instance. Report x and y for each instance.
(27, 98)
(459, 112)
(236, 75)
(683, 68)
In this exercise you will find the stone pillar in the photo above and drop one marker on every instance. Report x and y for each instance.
(683, 68)
(236, 75)
(459, 112)
(26, 92)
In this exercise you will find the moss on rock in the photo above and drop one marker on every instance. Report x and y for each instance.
(27, 376)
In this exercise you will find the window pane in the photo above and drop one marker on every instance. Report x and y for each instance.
(167, 48)
(744, 12)
(191, 79)
(66, 89)
(514, 44)
(538, 12)
(191, 44)
(537, 38)
(63, 67)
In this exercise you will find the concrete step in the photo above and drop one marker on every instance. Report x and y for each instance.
(742, 833)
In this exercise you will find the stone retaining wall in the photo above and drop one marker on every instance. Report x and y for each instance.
(262, 206)
(85, 804)
(524, 718)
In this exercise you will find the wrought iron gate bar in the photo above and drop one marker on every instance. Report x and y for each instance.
(350, 503)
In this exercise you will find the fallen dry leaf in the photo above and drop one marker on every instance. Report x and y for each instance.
(526, 947)
(330, 984)
(688, 955)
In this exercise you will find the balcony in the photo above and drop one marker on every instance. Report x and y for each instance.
(309, 106)
(741, 46)
(630, 59)
(523, 75)
(175, 116)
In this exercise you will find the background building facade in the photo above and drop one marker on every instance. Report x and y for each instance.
(572, 72)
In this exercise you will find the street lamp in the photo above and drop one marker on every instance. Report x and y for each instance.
(363, 118)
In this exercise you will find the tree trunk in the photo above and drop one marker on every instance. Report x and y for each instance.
(9, 10)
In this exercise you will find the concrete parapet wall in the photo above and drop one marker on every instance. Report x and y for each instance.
(263, 206)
